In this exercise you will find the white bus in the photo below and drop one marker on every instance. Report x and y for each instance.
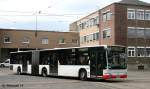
(98, 62)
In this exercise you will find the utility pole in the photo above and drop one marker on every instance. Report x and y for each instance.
(36, 23)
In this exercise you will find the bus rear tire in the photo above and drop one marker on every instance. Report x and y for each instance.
(44, 72)
(18, 71)
(83, 75)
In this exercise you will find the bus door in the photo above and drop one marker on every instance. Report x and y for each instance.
(53, 64)
(35, 63)
(24, 63)
(96, 64)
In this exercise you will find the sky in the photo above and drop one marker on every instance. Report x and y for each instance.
(52, 15)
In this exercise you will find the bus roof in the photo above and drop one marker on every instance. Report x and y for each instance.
(105, 46)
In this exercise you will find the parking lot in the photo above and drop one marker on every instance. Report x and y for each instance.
(8, 80)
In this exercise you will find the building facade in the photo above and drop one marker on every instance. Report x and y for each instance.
(88, 28)
(14, 40)
(122, 23)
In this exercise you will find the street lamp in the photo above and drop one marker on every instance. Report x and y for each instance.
(36, 23)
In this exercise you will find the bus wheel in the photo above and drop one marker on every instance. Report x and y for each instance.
(18, 70)
(82, 75)
(44, 72)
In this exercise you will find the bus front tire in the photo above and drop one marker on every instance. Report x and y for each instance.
(83, 75)
(44, 72)
(18, 71)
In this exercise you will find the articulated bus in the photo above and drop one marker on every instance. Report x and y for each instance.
(98, 62)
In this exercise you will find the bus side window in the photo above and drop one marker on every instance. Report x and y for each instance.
(84, 59)
(61, 59)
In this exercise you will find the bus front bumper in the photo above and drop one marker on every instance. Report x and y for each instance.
(111, 76)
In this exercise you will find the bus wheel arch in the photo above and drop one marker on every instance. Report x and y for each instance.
(18, 70)
(44, 72)
(82, 74)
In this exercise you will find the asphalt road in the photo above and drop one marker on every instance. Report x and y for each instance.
(135, 80)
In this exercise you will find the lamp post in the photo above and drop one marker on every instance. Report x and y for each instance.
(36, 23)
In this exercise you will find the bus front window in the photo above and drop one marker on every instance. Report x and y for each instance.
(116, 60)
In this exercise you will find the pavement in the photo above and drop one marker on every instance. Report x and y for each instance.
(135, 80)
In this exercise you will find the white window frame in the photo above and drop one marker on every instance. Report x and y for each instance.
(107, 36)
(79, 26)
(97, 20)
(44, 41)
(95, 37)
(109, 15)
(132, 13)
(134, 54)
(146, 52)
(81, 39)
(91, 37)
(87, 38)
(139, 15)
(6, 38)
(137, 51)
(138, 29)
(26, 40)
(60, 41)
(147, 12)
(74, 41)
(106, 15)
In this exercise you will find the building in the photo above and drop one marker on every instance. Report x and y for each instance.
(88, 28)
(121, 23)
(14, 40)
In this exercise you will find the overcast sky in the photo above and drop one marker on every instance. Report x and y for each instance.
(54, 15)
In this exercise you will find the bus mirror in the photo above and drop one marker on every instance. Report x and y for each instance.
(58, 62)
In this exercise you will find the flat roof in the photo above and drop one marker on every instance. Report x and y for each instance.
(124, 2)
(35, 30)
(134, 2)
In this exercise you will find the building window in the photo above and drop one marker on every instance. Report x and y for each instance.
(140, 51)
(91, 37)
(140, 14)
(107, 16)
(104, 17)
(81, 39)
(147, 33)
(97, 35)
(97, 20)
(80, 27)
(132, 33)
(147, 15)
(75, 41)
(147, 52)
(61, 41)
(131, 51)
(85, 39)
(107, 33)
(131, 14)
(140, 33)
(7, 39)
(91, 22)
(87, 24)
(44, 40)
(94, 36)
(26, 40)
(83, 25)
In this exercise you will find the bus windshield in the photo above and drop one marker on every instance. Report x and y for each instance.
(117, 59)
